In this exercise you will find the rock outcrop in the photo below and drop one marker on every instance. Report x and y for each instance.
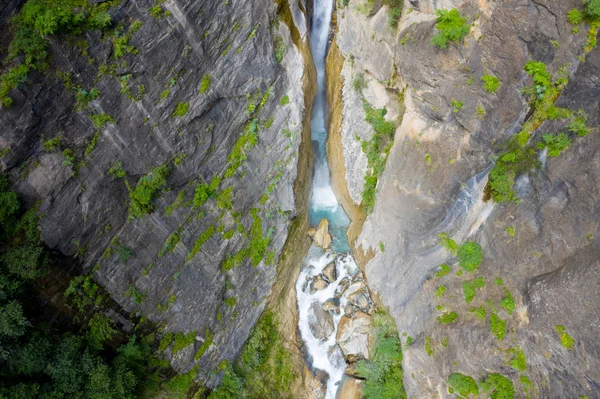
(434, 181)
(175, 184)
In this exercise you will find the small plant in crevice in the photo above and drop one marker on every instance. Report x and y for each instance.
(451, 27)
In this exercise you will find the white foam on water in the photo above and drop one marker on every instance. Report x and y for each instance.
(324, 354)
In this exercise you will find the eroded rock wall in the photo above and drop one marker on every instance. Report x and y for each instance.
(434, 182)
(236, 68)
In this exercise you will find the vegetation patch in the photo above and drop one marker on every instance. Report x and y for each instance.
(444, 270)
(463, 385)
(469, 254)
(451, 26)
(565, 339)
(205, 84)
(508, 303)
(200, 241)
(383, 371)
(490, 83)
(470, 287)
(141, 197)
(497, 326)
(439, 292)
(479, 312)
(499, 386)
(518, 361)
(264, 368)
(448, 318)
(181, 341)
(181, 109)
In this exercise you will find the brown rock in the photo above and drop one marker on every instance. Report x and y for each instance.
(350, 388)
(322, 238)
(354, 336)
(318, 284)
(329, 272)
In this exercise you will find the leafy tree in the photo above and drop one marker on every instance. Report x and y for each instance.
(451, 26)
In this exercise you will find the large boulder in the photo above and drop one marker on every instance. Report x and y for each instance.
(354, 336)
(321, 236)
(321, 325)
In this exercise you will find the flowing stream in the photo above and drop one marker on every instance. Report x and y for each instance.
(321, 347)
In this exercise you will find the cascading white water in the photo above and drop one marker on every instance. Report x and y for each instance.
(323, 354)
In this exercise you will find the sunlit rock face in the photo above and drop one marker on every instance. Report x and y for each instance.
(434, 181)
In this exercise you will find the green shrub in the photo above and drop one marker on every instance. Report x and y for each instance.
(99, 120)
(52, 144)
(508, 302)
(469, 288)
(470, 256)
(448, 318)
(457, 106)
(479, 312)
(116, 170)
(592, 9)
(145, 190)
(497, 326)
(556, 144)
(165, 341)
(490, 83)
(579, 124)
(124, 253)
(224, 198)
(200, 241)
(183, 341)
(383, 371)
(575, 17)
(205, 84)
(244, 143)
(428, 348)
(284, 100)
(229, 301)
(181, 109)
(464, 385)
(565, 339)
(500, 386)
(439, 292)
(395, 11)
(518, 361)
(444, 270)
(451, 26)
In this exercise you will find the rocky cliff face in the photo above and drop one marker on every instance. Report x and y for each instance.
(175, 182)
(544, 248)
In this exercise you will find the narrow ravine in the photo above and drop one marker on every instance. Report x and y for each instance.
(329, 279)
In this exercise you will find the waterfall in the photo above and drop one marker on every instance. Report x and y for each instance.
(324, 353)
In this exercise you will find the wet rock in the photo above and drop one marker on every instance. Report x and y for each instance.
(322, 238)
(322, 324)
(355, 288)
(318, 284)
(354, 336)
(329, 272)
(342, 287)
(349, 310)
(332, 305)
(360, 300)
(350, 388)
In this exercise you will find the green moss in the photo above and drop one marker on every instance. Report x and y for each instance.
(574, 17)
(165, 341)
(479, 312)
(508, 303)
(99, 120)
(244, 143)
(92, 145)
(462, 384)
(205, 84)
(497, 326)
(285, 100)
(428, 347)
(165, 93)
(383, 371)
(53, 144)
(565, 339)
(145, 190)
(208, 341)
(510, 231)
(579, 124)
(200, 241)
(448, 318)
(224, 198)
(183, 341)
(470, 287)
(499, 386)
(470, 256)
(229, 301)
(181, 109)
(490, 83)
(457, 106)
(555, 143)
(170, 243)
(518, 361)
(444, 270)
(451, 26)
(279, 48)
(439, 292)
